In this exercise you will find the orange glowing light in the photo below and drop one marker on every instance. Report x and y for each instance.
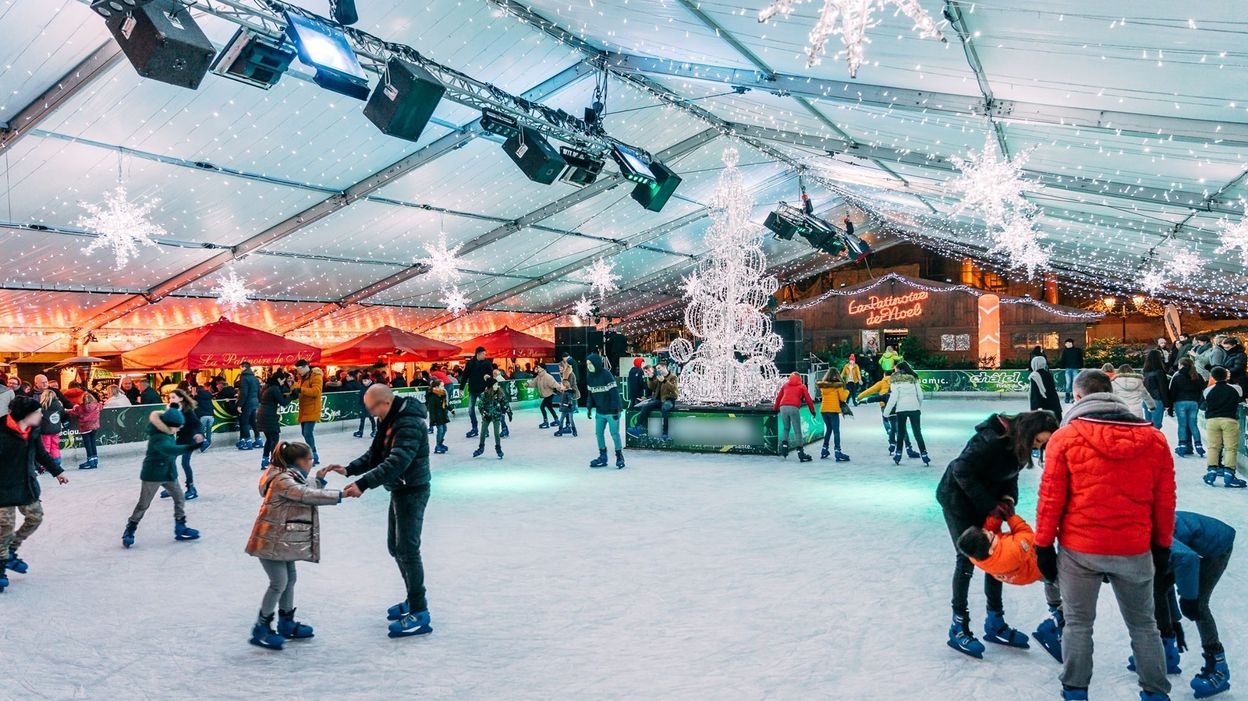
(881, 310)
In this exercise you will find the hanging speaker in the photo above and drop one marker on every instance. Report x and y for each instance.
(403, 102)
(163, 42)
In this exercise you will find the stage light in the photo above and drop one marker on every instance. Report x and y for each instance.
(343, 11)
(325, 48)
(632, 167)
(654, 195)
(253, 59)
(496, 122)
(107, 8)
(583, 168)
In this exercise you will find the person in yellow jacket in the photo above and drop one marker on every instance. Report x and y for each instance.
(311, 385)
(851, 375)
(879, 392)
(833, 397)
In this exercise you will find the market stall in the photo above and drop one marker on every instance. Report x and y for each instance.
(388, 344)
(221, 344)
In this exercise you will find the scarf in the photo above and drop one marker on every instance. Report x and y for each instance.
(1098, 403)
(23, 432)
(1036, 378)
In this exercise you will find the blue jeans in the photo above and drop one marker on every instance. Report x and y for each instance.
(309, 434)
(472, 408)
(1185, 412)
(186, 468)
(441, 433)
(206, 422)
(832, 429)
(1154, 415)
(646, 408)
(600, 424)
(1071, 374)
(247, 421)
(88, 443)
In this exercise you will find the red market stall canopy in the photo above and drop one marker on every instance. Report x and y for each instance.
(221, 344)
(508, 343)
(389, 343)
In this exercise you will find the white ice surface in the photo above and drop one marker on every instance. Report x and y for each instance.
(682, 577)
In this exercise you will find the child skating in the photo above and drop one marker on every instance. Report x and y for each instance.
(439, 406)
(834, 397)
(493, 406)
(1222, 413)
(22, 455)
(160, 469)
(287, 530)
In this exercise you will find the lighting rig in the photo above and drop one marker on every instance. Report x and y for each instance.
(788, 221)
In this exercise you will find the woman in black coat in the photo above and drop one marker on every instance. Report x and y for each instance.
(1043, 388)
(980, 478)
(1157, 383)
(21, 455)
(276, 393)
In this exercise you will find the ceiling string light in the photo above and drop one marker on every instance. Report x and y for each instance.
(851, 19)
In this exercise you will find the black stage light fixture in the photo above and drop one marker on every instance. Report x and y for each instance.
(403, 102)
(632, 166)
(654, 195)
(254, 59)
(788, 221)
(496, 122)
(343, 11)
(325, 48)
(539, 160)
(108, 8)
(162, 41)
(583, 168)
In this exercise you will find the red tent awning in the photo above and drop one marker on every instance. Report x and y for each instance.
(388, 343)
(508, 343)
(221, 344)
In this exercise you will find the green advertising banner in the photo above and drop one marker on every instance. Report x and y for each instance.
(980, 380)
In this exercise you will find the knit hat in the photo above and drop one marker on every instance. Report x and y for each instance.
(172, 417)
(851, 358)
(21, 407)
(638, 362)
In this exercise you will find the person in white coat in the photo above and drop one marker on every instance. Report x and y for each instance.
(1129, 385)
(905, 404)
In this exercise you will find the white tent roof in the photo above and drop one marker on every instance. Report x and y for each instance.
(1134, 116)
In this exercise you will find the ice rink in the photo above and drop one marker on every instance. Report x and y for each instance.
(700, 577)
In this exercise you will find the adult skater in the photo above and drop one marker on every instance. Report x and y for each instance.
(788, 406)
(905, 405)
(1072, 362)
(21, 452)
(604, 395)
(476, 370)
(1043, 389)
(276, 394)
(248, 402)
(311, 387)
(288, 499)
(1107, 495)
(548, 389)
(833, 401)
(398, 459)
(981, 477)
(636, 384)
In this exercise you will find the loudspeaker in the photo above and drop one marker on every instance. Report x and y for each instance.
(790, 358)
(539, 160)
(404, 100)
(653, 197)
(163, 42)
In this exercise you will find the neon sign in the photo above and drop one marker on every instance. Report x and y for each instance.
(880, 310)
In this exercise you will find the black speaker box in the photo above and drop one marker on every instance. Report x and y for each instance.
(790, 357)
(403, 102)
(163, 43)
(539, 160)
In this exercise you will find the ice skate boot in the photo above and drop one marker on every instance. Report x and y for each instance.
(544, 424)
(358, 434)
(559, 432)
(397, 611)
(316, 459)
(1230, 481)
(4, 580)
(1200, 450)
(1171, 647)
(996, 630)
(499, 450)
(472, 434)
(191, 492)
(841, 457)
(1215, 677)
(1153, 696)
(1074, 694)
(258, 444)
(164, 493)
(961, 639)
(619, 460)
(1049, 634)
(478, 452)
(803, 456)
(411, 625)
(289, 628)
(182, 532)
(1183, 451)
(1211, 475)
(15, 564)
(601, 460)
(897, 457)
(926, 460)
(823, 454)
(243, 445)
(262, 634)
(784, 450)
(127, 536)
(912, 453)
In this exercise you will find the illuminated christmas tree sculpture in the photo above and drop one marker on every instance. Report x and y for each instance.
(735, 361)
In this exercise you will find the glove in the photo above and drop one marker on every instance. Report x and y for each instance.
(1191, 609)
(1170, 411)
(1180, 639)
(1002, 511)
(1161, 560)
(1046, 560)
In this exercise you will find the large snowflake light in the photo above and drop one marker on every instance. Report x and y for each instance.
(1152, 281)
(1183, 262)
(851, 19)
(735, 363)
(232, 292)
(455, 301)
(122, 226)
(991, 187)
(584, 307)
(443, 261)
(1235, 237)
(602, 278)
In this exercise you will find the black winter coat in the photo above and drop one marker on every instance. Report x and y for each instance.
(475, 372)
(1052, 402)
(189, 428)
(1071, 358)
(984, 473)
(604, 393)
(1158, 386)
(19, 483)
(636, 386)
(438, 406)
(274, 395)
(203, 402)
(398, 458)
(53, 418)
(248, 388)
(1184, 389)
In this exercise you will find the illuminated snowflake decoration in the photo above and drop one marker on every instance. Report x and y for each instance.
(602, 278)
(851, 19)
(735, 362)
(232, 292)
(122, 226)
(1017, 241)
(584, 307)
(1152, 281)
(1235, 238)
(992, 188)
(454, 300)
(1183, 262)
(443, 261)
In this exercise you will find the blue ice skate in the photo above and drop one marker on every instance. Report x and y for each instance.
(182, 532)
(289, 628)
(127, 536)
(1049, 634)
(262, 634)
(1214, 678)
(996, 630)
(412, 624)
(1172, 657)
(397, 611)
(1153, 696)
(1074, 695)
(961, 639)
(15, 563)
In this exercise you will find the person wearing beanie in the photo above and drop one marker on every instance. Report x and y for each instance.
(636, 383)
(604, 394)
(851, 375)
(493, 405)
(22, 457)
(160, 470)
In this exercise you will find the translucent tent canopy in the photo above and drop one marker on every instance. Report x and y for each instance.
(1131, 118)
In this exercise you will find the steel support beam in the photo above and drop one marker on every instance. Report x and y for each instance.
(79, 77)
(324, 208)
(957, 20)
(1201, 131)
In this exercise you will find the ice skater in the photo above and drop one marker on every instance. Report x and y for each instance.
(438, 404)
(833, 398)
(985, 473)
(604, 395)
(1222, 401)
(87, 413)
(287, 530)
(190, 433)
(22, 457)
(569, 396)
(548, 389)
(160, 470)
(905, 405)
(493, 406)
(276, 394)
(398, 459)
(879, 392)
(788, 407)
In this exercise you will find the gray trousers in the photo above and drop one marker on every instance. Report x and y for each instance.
(791, 420)
(149, 492)
(281, 586)
(1131, 577)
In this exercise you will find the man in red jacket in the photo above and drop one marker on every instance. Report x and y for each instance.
(1107, 495)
